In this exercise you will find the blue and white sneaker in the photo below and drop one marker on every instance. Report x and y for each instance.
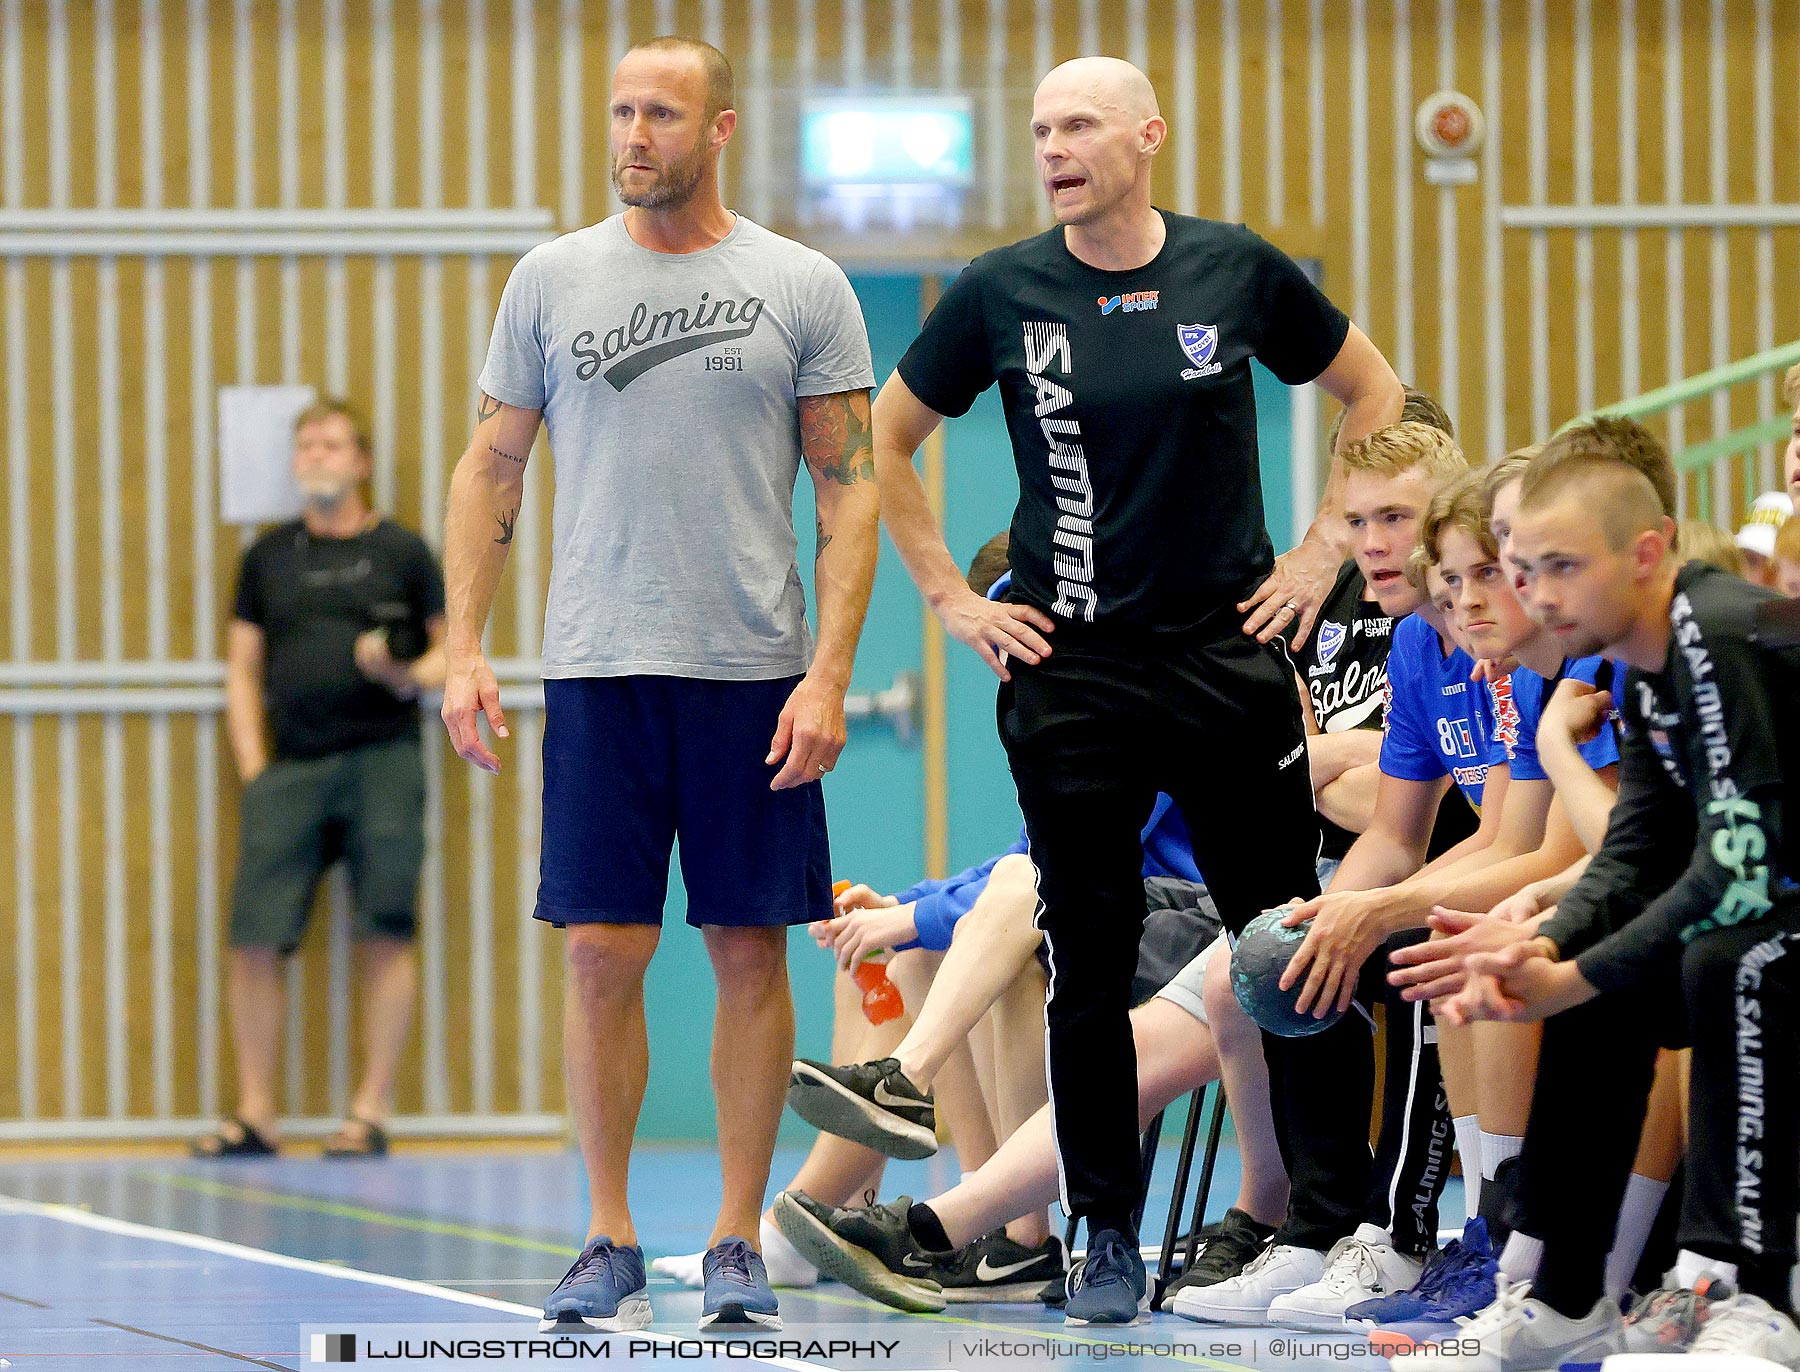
(605, 1289)
(1457, 1282)
(1109, 1285)
(737, 1289)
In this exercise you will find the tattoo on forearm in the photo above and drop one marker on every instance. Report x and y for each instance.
(487, 409)
(501, 452)
(836, 440)
(506, 519)
(824, 541)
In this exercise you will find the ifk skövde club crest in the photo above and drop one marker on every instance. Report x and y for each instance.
(1198, 341)
(1331, 638)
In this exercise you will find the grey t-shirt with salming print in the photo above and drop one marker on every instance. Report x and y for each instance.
(668, 384)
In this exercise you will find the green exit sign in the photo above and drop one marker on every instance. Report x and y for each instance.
(887, 141)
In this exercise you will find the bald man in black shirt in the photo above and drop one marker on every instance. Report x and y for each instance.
(1121, 341)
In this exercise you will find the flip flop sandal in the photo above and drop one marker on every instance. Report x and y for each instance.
(373, 1145)
(218, 1144)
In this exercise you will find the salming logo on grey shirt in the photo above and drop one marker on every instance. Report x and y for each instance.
(722, 320)
(669, 385)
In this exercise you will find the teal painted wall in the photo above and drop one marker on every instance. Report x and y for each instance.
(875, 798)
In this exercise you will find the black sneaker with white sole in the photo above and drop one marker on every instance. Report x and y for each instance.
(870, 1250)
(995, 1268)
(871, 1103)
(1235, 1241)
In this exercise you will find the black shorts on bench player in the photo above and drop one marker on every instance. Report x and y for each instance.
(1121, 341)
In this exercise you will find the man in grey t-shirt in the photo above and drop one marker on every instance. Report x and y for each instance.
(684, 361)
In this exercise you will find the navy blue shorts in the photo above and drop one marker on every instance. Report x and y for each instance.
(633, 762)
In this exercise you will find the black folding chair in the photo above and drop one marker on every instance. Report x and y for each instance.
(1166, 1269)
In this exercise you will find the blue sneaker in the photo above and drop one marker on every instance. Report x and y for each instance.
(1109, 1285)
(737, 1289)
(605, 1289)
(1458, 1281)
(1409, 1305)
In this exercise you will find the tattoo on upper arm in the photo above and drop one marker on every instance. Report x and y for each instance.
(835, 437)
(506, 519)
(501, 452)
(824, 541)
(487, 409)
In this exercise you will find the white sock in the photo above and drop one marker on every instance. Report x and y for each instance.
(1643, 1198)
(786, 1266)
(684, 1268)
(1520, 1258)
(1468, 1148)
(1690, 1268)
(1496, 1149)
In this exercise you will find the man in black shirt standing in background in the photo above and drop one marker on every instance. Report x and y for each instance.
(337, 629)
(1121, 340)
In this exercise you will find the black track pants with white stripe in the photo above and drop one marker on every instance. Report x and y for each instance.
(1738, 1004)
(1412, 1154)
(1334, 1184)
(1742, 987)
(1092, 734)
(1595, 1067)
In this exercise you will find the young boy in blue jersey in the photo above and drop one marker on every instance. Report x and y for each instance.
(1572, 717)
(1577, 718)
(1561, 1242)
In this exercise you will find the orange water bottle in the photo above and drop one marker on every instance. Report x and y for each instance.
(881, 1000)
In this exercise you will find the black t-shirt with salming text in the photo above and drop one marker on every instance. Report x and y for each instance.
(312, 597)
(1129, 401)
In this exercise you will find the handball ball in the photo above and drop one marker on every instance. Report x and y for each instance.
(1262, 954)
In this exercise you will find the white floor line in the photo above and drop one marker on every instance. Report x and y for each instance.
(106, 1224)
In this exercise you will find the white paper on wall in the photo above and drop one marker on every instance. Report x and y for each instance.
(256, 452)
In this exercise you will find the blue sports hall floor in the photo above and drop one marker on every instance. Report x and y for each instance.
(153, 1261)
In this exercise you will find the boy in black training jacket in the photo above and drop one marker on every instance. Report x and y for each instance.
(1694, 887)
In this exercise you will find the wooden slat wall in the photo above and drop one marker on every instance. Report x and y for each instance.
(1293, 115)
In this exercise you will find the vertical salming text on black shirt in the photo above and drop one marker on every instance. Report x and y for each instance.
(1130, 405)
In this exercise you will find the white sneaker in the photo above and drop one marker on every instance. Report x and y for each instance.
(1518, 1334)
(1245, 1298)
(1665, 1321)
(1359, 1268)
(1748, 1327)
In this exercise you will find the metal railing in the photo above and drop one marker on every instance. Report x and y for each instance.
(153, 688)
(1696, 457)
